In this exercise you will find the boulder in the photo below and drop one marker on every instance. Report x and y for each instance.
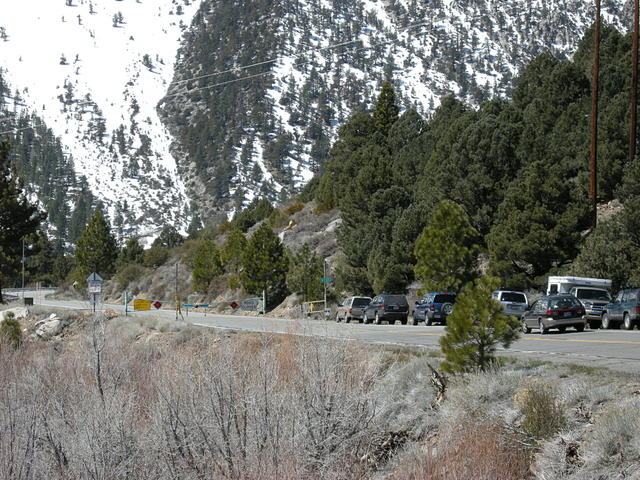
(50, 327)
(18, 312)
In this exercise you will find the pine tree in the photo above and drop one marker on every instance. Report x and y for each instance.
(386, 112)
(305, 272)
(10, 331)
(475, 328)
(97, 250)
(446, 251)
(232, 251)
(168, 238)
(131, 253)
(264, 266)
(205, 264)
(18, 219)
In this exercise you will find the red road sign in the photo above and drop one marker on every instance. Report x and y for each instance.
(234, 305)
(157, 305)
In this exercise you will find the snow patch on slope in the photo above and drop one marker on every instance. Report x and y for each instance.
(88, 74)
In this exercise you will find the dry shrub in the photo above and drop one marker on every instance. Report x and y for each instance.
(473, 451)
(543, 416)
(294, 208)
(615, 437)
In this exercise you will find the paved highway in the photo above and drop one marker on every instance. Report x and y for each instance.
(615, 349)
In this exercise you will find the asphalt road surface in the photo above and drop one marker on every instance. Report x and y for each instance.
(614, 349)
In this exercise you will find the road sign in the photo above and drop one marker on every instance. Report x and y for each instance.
(139, 304)
(326, 280)
(94, 277)
(157, 305)
(234, 305)
(94, 287)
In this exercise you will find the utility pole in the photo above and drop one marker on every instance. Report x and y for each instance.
(176, 293)
(22, 269)
(593, 159)
(634, 85)
(324, 283)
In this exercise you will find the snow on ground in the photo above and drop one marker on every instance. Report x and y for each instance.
(81, 51)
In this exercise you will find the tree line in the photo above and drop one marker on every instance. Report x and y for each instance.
(518, 170)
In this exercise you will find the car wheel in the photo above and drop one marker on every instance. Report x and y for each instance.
(427, 320)
(605, 325)
(627, 323)
(525, 327)
(365, 319)
(337, 318)
(377, 319)
(347, 319)
(541, 327)
(414, 320)
(446, 309)
(562, 329)
(580, 328)
(403, 320)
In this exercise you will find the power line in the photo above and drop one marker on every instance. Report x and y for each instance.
(312, 50)
(372, 45)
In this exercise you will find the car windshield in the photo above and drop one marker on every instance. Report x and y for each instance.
(513, 297)
(563, 302)
(361, 302)
(397, 299)
(588, 294)
(444, 298)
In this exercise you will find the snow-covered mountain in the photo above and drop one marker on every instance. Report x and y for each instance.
(94, 70)
(257, 92)
(263, 86)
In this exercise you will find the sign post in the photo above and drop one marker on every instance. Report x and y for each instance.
(94, 289)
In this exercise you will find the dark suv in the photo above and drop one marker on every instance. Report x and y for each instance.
(387, 307)
(434, 307)
(624, 310)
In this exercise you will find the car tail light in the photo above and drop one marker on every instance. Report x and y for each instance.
(638, 310)
(551, 313)
(432, 308)
(350, 311)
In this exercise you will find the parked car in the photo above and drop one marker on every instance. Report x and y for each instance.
(387, 307)
(554, 311)
(594, 301)
(624, 310)
(514, 303)
(352, 308)
(434, 307)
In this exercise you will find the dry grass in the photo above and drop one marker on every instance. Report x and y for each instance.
(471, 451)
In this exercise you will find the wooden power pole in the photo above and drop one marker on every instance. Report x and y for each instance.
(634, 86)
(593, 159)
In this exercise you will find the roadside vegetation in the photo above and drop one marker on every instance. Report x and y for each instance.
(116, 397)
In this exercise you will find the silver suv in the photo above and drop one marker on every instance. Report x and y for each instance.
(514, 303)
(352, 308)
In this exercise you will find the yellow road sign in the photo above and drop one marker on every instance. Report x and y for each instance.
(142, 304)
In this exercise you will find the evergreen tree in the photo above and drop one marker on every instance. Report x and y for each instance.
(232, 251)
(611, 251)
(386, 112)
(205, 265)
(97, 250)
(305, 272)
(18, 219)
(168, 238)
(538, 225)
(131, 253)
(446, 251)
(10, 331)
(475, 328)
(264, 266)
